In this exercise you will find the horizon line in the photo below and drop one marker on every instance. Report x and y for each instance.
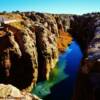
(49, 12)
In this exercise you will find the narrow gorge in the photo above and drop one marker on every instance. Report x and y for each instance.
(31, 43)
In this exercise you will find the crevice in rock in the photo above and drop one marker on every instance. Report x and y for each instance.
(21, 71)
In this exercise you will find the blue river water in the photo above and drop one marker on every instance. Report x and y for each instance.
(64, 89)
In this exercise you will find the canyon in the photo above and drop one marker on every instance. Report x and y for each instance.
(31, 42)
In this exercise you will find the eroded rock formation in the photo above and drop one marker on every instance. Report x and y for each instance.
(88, 82)
(30, 46)
(10, 92)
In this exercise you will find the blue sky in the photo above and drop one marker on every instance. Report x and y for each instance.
(51, 6)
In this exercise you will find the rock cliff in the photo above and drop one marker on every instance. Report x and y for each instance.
(30, 44)
(9, 92)
(88, 82)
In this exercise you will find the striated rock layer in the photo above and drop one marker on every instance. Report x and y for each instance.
(30, 44)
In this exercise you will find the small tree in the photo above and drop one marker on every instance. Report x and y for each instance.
(4, 12)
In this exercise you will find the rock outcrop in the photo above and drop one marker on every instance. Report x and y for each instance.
(30, 47)
(88, 82)
(82, 29)
(10, 92)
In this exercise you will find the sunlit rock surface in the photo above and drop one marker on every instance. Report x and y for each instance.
(9, 92)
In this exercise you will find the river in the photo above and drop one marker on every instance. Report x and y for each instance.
(64, 89)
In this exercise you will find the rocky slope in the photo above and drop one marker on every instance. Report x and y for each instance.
(88, 82)
(30, 44)
(10, 92)
(82, 29)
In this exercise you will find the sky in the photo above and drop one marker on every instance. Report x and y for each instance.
(51, 6)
